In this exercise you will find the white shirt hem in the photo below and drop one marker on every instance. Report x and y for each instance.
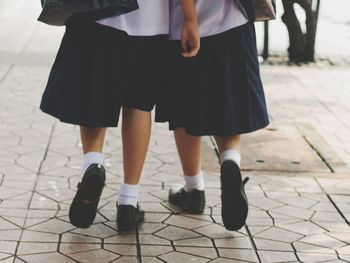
(140, 31)
(212, 31)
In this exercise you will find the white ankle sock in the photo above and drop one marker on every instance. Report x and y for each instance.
(128, 194)
(233, 155)
(194, 182)
(91, 158)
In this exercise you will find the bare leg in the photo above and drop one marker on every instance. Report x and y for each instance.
(136, 132)
(189, 148)
(228, 143)
(92, 139)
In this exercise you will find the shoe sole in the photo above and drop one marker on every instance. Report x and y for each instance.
(81, 215)
(234, 208)
(127, 226)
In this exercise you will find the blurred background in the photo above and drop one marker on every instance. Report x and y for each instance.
(333, 31)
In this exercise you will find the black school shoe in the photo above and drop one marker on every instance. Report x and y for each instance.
(128, 217)
(83, 209)
(234, 209)
(192, 202)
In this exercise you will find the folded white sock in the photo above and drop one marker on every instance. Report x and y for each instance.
(194, 182)
(233, 155)
(91, 158)
(128, 194)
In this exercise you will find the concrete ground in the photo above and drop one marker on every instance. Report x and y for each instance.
(299, 168)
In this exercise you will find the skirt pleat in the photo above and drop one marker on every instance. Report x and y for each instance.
(99, 69)
(219, 92)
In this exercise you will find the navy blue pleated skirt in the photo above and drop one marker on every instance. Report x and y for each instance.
(99, 69)
(219, 92)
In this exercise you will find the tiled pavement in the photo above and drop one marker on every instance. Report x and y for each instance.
(299, 212)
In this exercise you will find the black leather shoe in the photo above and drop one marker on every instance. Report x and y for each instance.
(234, 210)
(83, 209)
(192, 202)
(128, 217)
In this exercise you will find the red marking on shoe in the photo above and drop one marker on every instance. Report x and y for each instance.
(86, 202)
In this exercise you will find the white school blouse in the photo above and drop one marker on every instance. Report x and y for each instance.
(152, 18)
(214, 17)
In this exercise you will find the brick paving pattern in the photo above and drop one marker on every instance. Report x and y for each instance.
(299, 212)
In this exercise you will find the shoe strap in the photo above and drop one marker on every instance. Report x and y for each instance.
(245, 180)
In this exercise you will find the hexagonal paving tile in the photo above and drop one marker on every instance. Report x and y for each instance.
(121, 239)
(178, 257)
(68, 248)
(308, 248)
(266, 244)
(304, 228)
(239, 254)
(176, 233)
(123, 250)
(99, 255)
(234, 242)
(276, 256)
(316, 257)
(218, 231)
(195, 242)
(153, 240)
(185, 222)
(154, 251)
(8, 247)
(278, 234)
(96, 230)
(46, 257)
(206, 252)
(52, 226)
(26, 248)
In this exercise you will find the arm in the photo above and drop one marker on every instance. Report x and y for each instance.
(190, 39)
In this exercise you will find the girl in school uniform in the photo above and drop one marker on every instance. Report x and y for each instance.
(218, 93)
(102, 67)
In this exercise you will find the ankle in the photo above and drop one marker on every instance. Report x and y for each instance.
(92, 158)
(128, 194)
(232, 155)
(195, 182)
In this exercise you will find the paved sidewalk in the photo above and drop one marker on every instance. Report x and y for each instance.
(299, 168)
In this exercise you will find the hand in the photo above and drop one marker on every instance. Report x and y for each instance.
(190, 39)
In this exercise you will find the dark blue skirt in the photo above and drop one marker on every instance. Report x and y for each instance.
(219, 92)
(99, 69)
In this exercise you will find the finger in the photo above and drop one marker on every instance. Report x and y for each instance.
(190, 54)
(187, 55)
(194, 50)
(184, 44)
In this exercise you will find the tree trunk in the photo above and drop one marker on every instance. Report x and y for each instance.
(302, 45)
